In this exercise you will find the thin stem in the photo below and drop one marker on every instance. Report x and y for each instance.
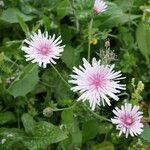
(45, 84)
(74, 13)
(96, 115)
(124, 93)
(18, 118)
(89, 38)
(60, 76)
(61, 109)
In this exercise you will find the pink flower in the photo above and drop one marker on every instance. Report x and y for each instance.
(96, 83)
(99, 6)
(128, 120)
(42, 48)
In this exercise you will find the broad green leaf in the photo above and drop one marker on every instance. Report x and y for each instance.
(14, 139)
(118, 19)
(44, 134)
(70, 57)
(11, 15)
(77, 138)
(25, 82)
(115, 16)
(67, 116)
(28, 123)
(14, 133)
(7, 117)
(143, 40)
(146, 133)
(90, 129)
(103, 146)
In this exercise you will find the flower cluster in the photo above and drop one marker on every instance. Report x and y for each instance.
(95, 82)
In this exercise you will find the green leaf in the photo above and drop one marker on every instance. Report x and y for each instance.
(77, 138)
(46, 22)
(146, 133)
(11, 15)
(67, 116)
(104, 127)
(70, 57)
(44, 134)
(28, 123)
(25, 82)
(115, 16)
(90, 129)
(62, 8)
(23, 25)
(118, 19)
(103, 146)
(143, 38)
(6, 117)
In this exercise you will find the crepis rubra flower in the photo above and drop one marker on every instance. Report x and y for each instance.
(42, 49)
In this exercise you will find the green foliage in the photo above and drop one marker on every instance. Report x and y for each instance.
(7, 117)
(71, 57)
(143, 38)
(11, 15)
(146, 133)
(28, 123)
(103, 146)
(25, 82)
(38, 111)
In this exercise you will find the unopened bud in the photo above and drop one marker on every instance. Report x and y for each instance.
(47, 112)
(107, 44)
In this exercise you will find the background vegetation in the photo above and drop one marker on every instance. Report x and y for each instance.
(37, 110)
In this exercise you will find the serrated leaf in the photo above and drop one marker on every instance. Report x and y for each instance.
(25, 82)
(28, 123)
(6, 117)
(10, 15)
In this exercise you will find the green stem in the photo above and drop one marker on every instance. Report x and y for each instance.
(124, 93)
(89, 38)
(74, 13)
(96, 115)
(60, 76)
(61, 109)
(45, 84)
(18, 118)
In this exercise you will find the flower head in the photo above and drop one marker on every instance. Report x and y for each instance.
(96, 83)
(128, 120)
(42, 48)
(99, 6)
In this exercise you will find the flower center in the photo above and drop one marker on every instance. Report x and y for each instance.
(97, 81)
(44, 51)
(128, 120)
